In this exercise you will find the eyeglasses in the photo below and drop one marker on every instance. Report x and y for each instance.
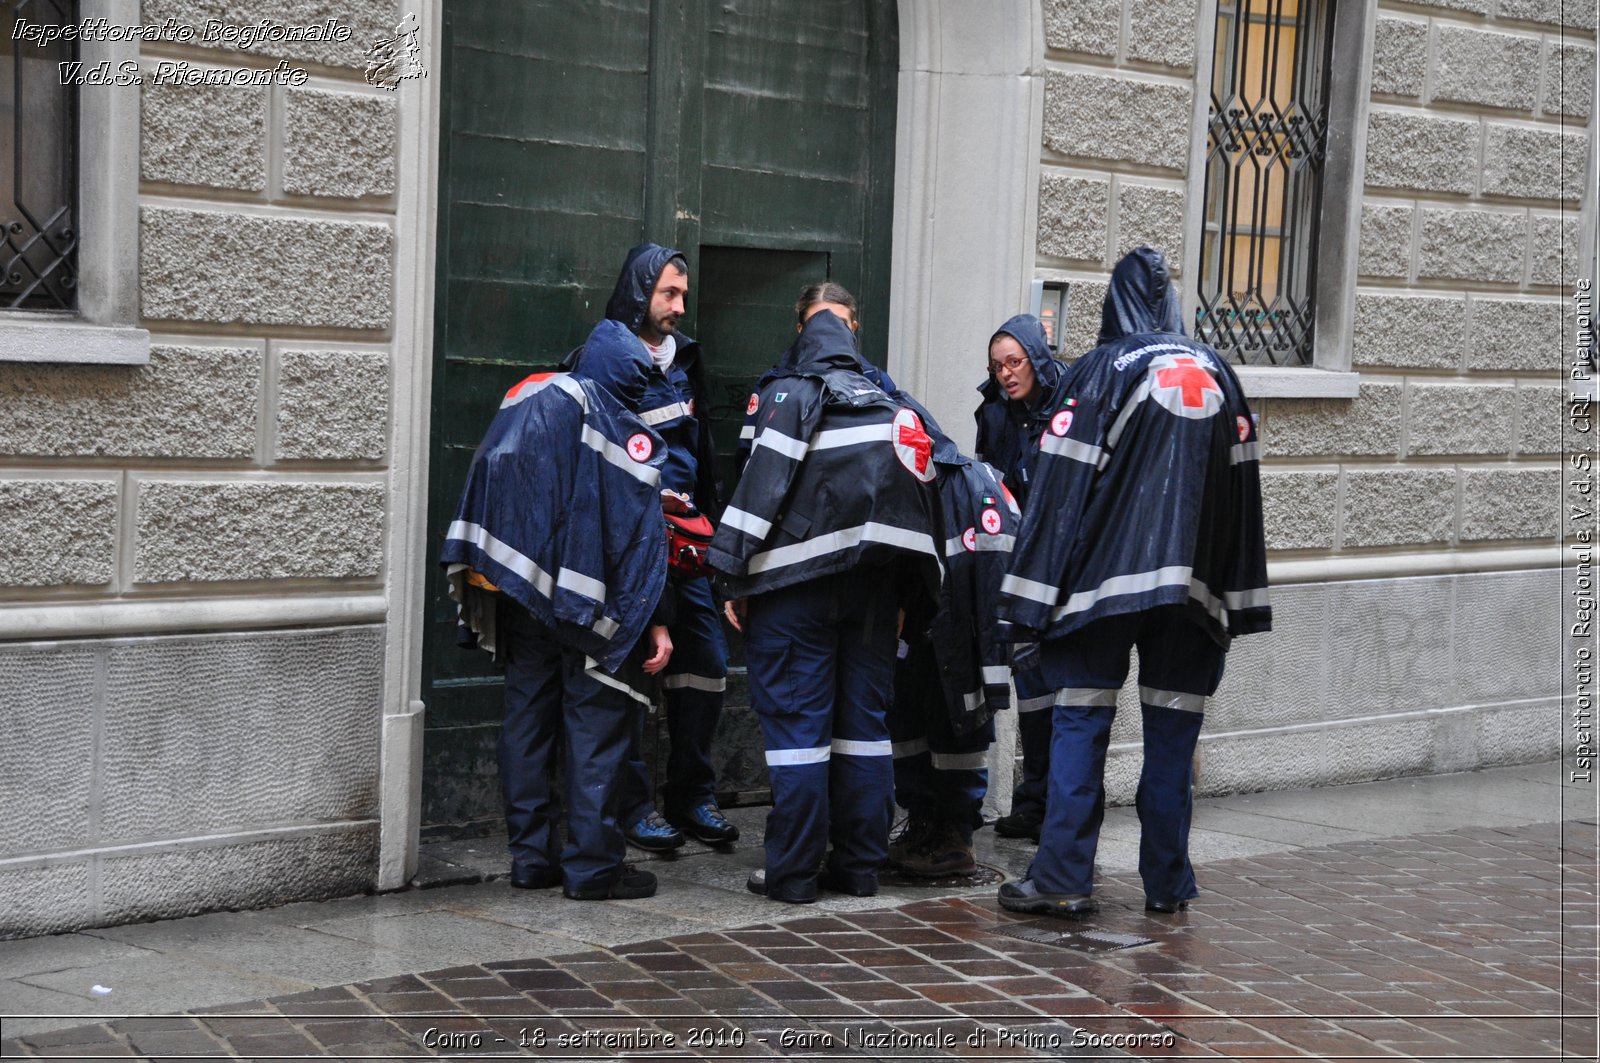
(1010, 365)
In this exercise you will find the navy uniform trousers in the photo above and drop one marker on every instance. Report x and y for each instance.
(693, 684)
(1035, 701)
(557, 714)
(821, 656)
(938, 774)
(1179, 668)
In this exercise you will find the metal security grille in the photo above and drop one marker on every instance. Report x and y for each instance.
(39, 128)
(1264, 154)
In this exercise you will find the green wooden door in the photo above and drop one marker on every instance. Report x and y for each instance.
(755, 135)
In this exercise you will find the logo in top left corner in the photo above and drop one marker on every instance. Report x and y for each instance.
(391, 60)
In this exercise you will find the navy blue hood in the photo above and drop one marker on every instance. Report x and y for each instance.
(825, 343)
(1141, 297)
(614, 358)
(1029, 332)
(630, 299)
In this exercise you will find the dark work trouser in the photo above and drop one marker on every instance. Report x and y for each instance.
(1035, 705)
(821, 659)
(1179, 668)
(938, 774)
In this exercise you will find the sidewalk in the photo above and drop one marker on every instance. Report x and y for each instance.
(1417, 918)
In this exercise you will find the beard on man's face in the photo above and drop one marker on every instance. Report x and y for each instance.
(664, 324)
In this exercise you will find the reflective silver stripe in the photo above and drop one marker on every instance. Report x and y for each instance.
(664, 413)
(562, 381)
(1213, 605)
(599, 675)
(690, 681)
(619, 457)
(959, 761)
(513, 559)
(972, 700)
(1139, 394)
(747, 432)
(1251, 599)
(856, 748)
(996, 673)
(773, 439)
(911, 748)
(1250, 451)
(1044, 701)
(1172, 699)
(1018, 587)
(749, 523)
(849, 437)
(778, 758)
(1086, 696)
(578, 583)
(605, 627)
(1063, 447)
(955, 546)
(996, 544)
(844, 539)
(1132, 583)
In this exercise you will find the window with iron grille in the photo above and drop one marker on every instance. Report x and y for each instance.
(1266, 146)
(39, 187)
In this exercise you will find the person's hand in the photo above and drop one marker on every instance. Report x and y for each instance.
(734, 609)
(674, 502)
(899, 622)
(660, 649)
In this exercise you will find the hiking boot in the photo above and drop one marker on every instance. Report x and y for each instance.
(706, 823)
(912, 837)
(653, 834)
(1019, 825)
(1028, 899)
(945, 850)
(629, 885)
(803, 893)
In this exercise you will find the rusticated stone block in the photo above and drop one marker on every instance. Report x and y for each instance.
(1162, 31)
(1385, 240)
(1150, 214)
(1421, 152)
(1094, 116)
(1389, 507)
(57, 532)
(188, 402)
(1533, 163)
(1388, 644)
(1507, 641)
(219, 716)
(1475, 245)
(258, 530)
(1486, 68)
(45, 900)
(339, 143)
(1408, 332)
(1510, 503)
(1399, 56)
(47, 759)
(332, 405)
(1575, 14)
(1367, 424)
(1541, 411)
(1084, 300)
(1087, 26)
(208, 135)
(1515, 334)
(213, 266)
(1461, 419)
(1072, 217)
(1569, 80)
(367, 21)
(1555, 250)
(1300, 508)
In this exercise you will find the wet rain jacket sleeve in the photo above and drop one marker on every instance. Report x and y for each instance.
(787, 411)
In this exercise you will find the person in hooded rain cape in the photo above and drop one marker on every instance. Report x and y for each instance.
(557, 558)
(1143, 529)
(952, 675)
(1011, 419)
(649, 300)
(830, 534)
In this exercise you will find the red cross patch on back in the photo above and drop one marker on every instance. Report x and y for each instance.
(1183, 384)
(912, 445)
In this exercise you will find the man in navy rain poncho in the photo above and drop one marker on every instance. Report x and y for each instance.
(557, 556)
(1012, 417)
(1143, 529)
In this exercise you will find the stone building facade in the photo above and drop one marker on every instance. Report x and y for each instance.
(212, 565)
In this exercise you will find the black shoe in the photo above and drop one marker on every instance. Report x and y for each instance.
(705, 822)
(757, 884)
(1164, 907)
(1019, 825)
(629, 885)
(834, 882)
(653, 834)
(1028, 899)
(535, 878)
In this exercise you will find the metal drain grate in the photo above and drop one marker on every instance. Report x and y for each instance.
(1077, 940)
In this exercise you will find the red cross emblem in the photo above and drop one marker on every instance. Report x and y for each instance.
(640, 447)
(1061, 422)
(912, 445)
(969, 538)
(991, 521)
(1243, 424)
(1187, 374)
(753, 405)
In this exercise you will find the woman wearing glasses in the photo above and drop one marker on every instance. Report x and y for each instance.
(1013, 415)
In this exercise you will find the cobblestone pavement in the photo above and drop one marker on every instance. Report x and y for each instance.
(1469, 944)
